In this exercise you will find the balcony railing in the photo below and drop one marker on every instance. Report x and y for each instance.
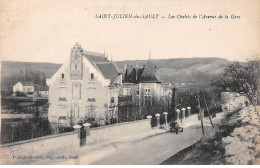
(124, 98)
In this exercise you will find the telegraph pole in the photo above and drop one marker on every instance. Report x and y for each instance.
(208, 110)
(198, 96)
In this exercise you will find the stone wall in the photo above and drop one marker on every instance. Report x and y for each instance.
(38, 147)
(68, 143)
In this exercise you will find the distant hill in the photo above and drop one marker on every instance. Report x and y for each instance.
(172, 70)
(180, 69)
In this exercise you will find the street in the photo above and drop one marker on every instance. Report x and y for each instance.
(147, 151)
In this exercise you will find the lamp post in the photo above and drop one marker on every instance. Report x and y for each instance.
(165, 115)
(158, 119)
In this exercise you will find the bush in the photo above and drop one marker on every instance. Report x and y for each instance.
(20, 94)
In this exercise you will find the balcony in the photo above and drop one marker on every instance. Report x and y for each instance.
(112, 105)
(125, 100)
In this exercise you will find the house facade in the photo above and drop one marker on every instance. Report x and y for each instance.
(18, 87)
(143, 85)
(86, 87)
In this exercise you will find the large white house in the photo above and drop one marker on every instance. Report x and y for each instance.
(84, 88)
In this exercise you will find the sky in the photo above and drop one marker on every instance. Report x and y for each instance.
(45, 31)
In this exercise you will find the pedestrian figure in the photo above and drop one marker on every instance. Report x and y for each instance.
(82, 136)
(176, 127)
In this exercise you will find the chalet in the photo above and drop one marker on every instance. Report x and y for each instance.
(142, 85)
(86, 87)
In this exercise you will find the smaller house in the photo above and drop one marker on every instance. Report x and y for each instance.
(18, 87)
(42, 91)
(25, 87)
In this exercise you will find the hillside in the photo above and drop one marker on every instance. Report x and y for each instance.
(173, 70)
(180, 69)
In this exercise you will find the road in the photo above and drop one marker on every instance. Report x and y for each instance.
(148, 151)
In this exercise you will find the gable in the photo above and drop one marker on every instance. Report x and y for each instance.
(96, 71)
(18, 84)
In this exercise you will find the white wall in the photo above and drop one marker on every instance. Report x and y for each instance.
(18, 87)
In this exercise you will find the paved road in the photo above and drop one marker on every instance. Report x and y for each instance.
(148, 151)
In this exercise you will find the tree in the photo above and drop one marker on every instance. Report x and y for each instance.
(242, 77)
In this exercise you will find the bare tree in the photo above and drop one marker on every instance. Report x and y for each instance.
(243, 78)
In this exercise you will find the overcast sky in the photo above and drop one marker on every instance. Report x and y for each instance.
(45, 31)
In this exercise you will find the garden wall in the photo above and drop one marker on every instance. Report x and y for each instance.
(68, 143)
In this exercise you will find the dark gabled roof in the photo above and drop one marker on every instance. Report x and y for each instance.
(130, 75)
(108, 69)
(41, 88)
(149, 74)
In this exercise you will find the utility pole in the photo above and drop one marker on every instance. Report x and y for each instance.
(208, 111)
(198, 96)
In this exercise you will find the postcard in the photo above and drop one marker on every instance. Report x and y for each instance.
(130, 82)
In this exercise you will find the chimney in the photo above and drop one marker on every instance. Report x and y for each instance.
(136, 70)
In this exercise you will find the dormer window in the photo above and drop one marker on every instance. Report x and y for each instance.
(92, 76)
(62, 76)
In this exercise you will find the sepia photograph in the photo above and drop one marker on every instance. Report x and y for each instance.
(137, 82)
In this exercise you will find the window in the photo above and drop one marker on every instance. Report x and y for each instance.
(91, 95)
(112, 100)
(147, 91)
(91, 112)
(62, 99)
(91, 99)
(92, 76)
(137, 92)
(62, 118)
(147, 100)
(126, 91)
(62, 76)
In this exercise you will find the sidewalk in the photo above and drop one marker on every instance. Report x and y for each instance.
(122, 146)
(133, 150)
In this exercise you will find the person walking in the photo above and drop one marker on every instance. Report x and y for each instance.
(176, 127)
